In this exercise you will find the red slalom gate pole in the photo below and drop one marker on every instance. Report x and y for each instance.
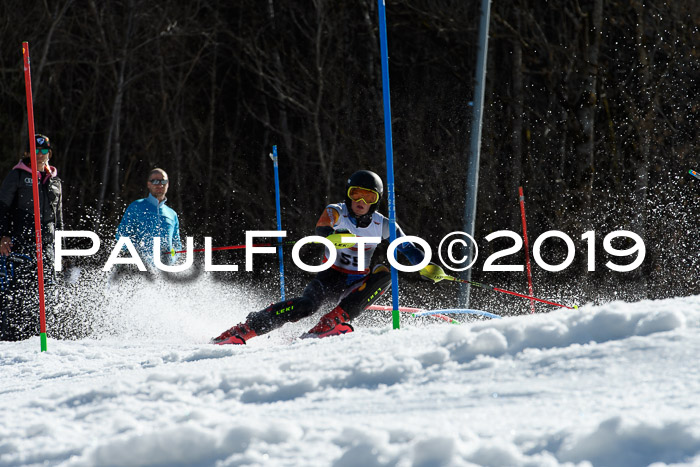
(498, 289)
(35, 192)
(527, 249)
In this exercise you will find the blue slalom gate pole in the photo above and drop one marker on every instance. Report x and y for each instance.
(279, 219)
(389, 159)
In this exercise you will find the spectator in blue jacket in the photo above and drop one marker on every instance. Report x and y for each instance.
(149, 217)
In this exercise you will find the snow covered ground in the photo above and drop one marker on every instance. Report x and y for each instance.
(612, 385)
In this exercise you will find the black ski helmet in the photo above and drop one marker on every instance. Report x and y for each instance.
(365, 179)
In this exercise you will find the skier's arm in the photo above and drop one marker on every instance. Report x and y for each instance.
(327, 222)
(413, 254)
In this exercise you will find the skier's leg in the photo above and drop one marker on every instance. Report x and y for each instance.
(287, 311)
(354, 301)
(264, 321)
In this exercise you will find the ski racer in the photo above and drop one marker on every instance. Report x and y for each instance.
(351, 289)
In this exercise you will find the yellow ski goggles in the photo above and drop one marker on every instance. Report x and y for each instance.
(357, 193)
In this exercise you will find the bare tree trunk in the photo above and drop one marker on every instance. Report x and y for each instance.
(284, 124)
(374, 57)
(645, 127)
(231, 164)
(586, 148)
(57, 17)
(212, 124)
(325, 159)
(516, 162)
(117, 165)
(170, 111)
(177, 154)
(113, 134)
(563, 146)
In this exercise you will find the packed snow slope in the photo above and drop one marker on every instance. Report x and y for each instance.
(612, 385)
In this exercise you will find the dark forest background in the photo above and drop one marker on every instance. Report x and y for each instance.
(592, 106)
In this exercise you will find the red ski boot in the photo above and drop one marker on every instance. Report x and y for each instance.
(338, 329)
(237, 335)
(330, 324)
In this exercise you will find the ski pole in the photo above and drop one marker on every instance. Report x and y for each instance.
(694, 174)
(280, 255)
(336, 239)
(436, 274)
(235, 247)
